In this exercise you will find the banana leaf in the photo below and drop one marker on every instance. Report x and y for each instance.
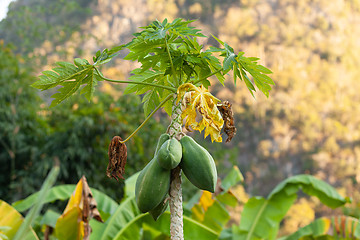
(339, 227)
(63, 192)
(263, 216)
(124, 214)
(10, 221)
(192, 229)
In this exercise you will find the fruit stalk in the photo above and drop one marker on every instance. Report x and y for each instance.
(175, 192)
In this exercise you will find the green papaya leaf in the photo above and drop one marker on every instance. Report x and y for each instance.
(192, 228)
(263, 216)
(339, 227)
(70, 77)
(63, 192)
(10, 221)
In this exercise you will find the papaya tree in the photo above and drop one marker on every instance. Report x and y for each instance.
(174, 75)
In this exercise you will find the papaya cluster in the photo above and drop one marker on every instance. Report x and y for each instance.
(153, 182)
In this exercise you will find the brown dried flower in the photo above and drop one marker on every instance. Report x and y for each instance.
(117, 159)
(228, 117)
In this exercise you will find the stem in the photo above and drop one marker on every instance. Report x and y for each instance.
(207, 76)
(176, 209)
(175, 192)
(172, 89)
(147, 119)
(171, 62)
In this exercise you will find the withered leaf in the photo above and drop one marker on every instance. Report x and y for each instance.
(228, 117)
(200, 100)
(117, 159)
(80, 209)
(90, 205)
(89, 208)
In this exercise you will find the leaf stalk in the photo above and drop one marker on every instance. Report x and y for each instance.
(207, 76)
(148, 118)
(172, 89)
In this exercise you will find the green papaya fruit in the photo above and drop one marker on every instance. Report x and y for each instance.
(163, 138)
(151, 186)
(198, 165)
(159, 209)
(169, 154)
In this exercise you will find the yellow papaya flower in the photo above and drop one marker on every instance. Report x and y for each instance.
(200, 100)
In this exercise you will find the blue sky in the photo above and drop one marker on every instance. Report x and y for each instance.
(3, 8)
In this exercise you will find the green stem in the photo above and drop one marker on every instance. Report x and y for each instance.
(172, 89)
(171, 62)
(207, 76)
(147, 119)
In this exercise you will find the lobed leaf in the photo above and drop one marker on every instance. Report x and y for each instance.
(70, 77)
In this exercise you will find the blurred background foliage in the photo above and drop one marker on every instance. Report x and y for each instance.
(310, 123)
(77, 133)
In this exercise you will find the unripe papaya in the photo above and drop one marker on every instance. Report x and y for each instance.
(198, 165)
(159, 209)
(151, 186)
(163, 138)
(170, 153)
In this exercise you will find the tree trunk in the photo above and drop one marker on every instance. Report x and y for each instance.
(175, 192)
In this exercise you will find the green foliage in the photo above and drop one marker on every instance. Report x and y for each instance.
(42, 22)
(127, 222)
(84, 136)
(169, 55)
(124, 214)
(160, 228)
(343, 227)
(263, 216)
(208, 219)
(240, 65)
(22, 132)
(63, 192)
(71, 77)
(11, 221)
(34, 212)
(77, 134)
(232, 178)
